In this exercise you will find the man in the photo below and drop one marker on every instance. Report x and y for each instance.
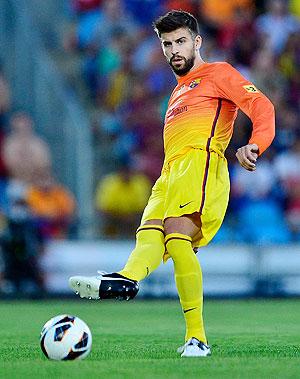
(120, 198)
(189, 200)
(24, 152)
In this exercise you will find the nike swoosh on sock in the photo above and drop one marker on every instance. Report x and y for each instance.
(188, 310)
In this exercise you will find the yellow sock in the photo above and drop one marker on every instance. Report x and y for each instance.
(188, 277)
(148, 252)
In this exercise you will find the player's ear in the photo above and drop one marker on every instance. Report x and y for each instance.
(198, 42)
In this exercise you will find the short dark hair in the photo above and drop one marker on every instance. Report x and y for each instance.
(176, 19)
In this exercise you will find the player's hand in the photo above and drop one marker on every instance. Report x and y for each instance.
(247, 156)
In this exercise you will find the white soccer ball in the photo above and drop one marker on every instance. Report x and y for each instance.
(66, 337)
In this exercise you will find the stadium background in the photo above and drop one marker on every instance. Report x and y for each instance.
(91, 76)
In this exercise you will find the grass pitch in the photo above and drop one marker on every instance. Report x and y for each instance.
(250, 339)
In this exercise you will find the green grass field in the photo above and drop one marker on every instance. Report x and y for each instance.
(250, 339)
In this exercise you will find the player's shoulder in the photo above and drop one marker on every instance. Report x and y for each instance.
(221, 71)
(221, 66)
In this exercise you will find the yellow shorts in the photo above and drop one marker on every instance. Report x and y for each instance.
(197, 182)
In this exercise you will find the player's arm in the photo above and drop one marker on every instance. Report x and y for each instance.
(233, 86)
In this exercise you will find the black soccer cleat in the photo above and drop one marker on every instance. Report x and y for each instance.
(104, 286)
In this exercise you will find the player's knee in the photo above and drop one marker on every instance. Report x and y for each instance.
(173, 225)
(183, 225)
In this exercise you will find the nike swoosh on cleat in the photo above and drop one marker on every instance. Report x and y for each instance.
(184, 205)
(187, 310)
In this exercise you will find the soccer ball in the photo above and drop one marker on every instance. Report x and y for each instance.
(66, 337)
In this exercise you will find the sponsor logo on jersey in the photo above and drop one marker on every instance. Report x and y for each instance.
(178, 110)
(251, 88)
(195, 83)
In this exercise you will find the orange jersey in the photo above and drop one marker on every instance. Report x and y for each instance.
(203, 107)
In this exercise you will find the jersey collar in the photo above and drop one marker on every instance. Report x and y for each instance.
(191, 74)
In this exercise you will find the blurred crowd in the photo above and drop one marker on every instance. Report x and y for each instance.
(129, 84)
(34, 207)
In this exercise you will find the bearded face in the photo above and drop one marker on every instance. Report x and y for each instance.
(182, 65)
(179, 48)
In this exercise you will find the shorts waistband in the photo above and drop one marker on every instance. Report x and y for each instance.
(166, 165)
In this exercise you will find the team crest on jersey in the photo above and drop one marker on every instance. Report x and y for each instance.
(251, 88)
(194, 83)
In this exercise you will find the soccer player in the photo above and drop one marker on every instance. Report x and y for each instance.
(189, 200)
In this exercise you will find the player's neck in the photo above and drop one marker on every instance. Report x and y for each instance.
(198, 62)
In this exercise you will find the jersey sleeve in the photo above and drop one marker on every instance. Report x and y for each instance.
(231, 85)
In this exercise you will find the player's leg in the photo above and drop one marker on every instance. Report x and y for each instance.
(188, 277)
(144, 259)
(148, 252)
(199, 185)
(123, 285)
(191, 185)
(150, 243)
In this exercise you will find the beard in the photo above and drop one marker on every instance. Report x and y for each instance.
(184, 68)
